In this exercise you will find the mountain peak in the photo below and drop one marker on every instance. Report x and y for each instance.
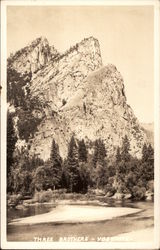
(32, 57)
(38, 53)
(41, 39)
(77, 94)
(89, 39)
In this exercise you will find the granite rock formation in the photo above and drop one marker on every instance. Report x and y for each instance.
(78, 95)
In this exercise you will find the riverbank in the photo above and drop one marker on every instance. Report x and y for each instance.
(76, 214)
(117, 226)
(97, 196)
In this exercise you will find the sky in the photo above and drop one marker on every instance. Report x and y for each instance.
(125, 34)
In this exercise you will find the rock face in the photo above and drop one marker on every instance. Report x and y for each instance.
(79, 96)
(149, 131)
(33, 57)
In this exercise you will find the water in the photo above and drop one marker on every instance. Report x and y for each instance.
(13, 213)
(109, 228)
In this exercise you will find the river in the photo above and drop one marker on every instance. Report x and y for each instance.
(93, 230)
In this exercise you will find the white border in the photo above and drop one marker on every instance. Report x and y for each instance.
(157, 123)
(80, 2)
(81, 245)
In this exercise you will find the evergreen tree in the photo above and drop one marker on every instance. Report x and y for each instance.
(99, 153)
(15, 87)
(72, 162)
(150, 153)
(11, 141)
(122, 163)
(65, 175)
(84, 177)
(125, 155)
(82, 151)
(100, 172)
(55, 166)
(144, 153)
(101, 175)
(118, 155)
(147, 166)
(95, 155)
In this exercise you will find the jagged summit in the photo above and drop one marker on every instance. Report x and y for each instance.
(33, 57)
(91, 43)
(61, 78)
(76, 94)
(28, 48)
(39, 53)
(89, 40)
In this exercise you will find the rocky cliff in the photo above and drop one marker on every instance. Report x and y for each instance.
(148, 128)
(33, 57)
(78, 95)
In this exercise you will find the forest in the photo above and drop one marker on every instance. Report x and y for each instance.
(81, 171)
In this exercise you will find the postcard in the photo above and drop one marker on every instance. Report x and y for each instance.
(80, 122)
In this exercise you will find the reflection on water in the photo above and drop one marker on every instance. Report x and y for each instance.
(13, 213)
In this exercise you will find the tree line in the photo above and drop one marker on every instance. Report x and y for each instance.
(81, 170)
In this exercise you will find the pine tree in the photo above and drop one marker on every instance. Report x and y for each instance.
(150, 153)
(65, 175)
(95, 155)
(147, 167)
(100, 172)
(125, 155)
(15, 84)
(55, 165)
(72, 162)
(84, 177)
(144, 153)
(99, 153)
(11, 141)
(82, 151)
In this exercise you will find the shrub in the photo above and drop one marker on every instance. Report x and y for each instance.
(150, 186)
(56, 195)
(110, 189)
(78, 196)
(43, 196)
(59, 192)
(72, 196)
(91, 191)
(69, 196)
(138, 193)
(14, 200)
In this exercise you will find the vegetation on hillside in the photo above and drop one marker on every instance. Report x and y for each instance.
(18, 95)
(80, 171)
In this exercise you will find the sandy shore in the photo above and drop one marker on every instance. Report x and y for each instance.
(76, 214)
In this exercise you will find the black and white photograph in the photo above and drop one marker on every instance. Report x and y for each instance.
(79, 125)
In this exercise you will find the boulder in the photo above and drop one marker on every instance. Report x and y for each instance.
(118, 196)
(149, 196)
(127, 196)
